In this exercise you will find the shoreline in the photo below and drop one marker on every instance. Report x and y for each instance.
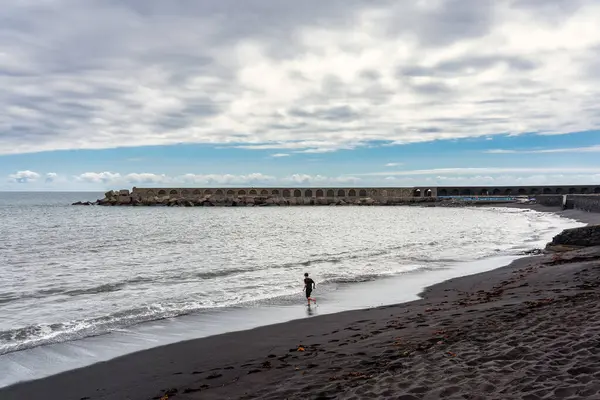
(586, 217)
(147, 373)
(56, 358)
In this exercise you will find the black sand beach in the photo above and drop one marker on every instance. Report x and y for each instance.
(530, 330)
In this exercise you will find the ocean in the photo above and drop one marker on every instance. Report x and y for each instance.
(75, 275)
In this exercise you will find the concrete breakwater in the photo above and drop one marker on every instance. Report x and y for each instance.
(256, 197)
(208, 197)
(570, 197)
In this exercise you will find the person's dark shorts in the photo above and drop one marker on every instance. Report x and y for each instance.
(308, 292)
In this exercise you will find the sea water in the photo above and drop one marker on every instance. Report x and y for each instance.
(68, 273)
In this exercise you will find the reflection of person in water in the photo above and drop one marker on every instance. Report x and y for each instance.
(309, 285)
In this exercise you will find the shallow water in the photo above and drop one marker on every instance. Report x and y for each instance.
(74, 272)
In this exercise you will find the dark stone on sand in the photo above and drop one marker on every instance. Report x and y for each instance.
(532, 252)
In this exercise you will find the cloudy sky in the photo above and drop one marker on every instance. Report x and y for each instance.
(102, 94)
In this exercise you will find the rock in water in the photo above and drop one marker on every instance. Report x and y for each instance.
(577, 237)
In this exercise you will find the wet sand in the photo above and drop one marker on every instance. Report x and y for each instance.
(526, 331)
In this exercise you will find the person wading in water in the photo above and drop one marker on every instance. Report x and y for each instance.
(309, 285)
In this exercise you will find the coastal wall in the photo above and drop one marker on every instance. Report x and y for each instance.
(381, 192)
(516, 190)
(244, 196)
(585, 203)
(573, 201)
(555, 196)
(555, 200)
(283, 193)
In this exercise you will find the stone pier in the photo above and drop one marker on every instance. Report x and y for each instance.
(241, 196)
(294, 195)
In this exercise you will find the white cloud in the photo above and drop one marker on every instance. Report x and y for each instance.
(34, 179)
(589, 149)
(24, 177)
(110, 179)
(490, 171)
(98, 177)
(304, 179)
(279, 155)
(432, 177)
(393, 164)
(309, 146)
(308, 76)
(51, 177)
(145, 178)
(534, 179)
(500, 151)
(223, 179)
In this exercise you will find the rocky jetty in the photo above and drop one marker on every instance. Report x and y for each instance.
(575, 238)
(277, 197)
(125, 198)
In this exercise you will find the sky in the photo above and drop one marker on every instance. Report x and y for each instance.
(107, 94)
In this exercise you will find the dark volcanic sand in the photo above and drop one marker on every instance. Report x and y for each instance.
(529, 331)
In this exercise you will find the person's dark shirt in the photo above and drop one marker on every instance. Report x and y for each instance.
(309, 283)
